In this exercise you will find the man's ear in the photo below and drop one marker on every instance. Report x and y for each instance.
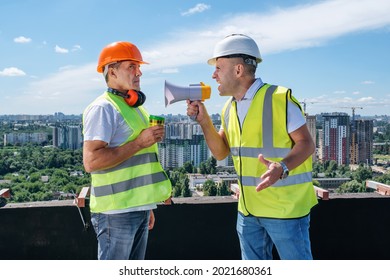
(112, 72)
(239, 68)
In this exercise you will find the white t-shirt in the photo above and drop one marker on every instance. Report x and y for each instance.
(101, 121)
(295, 119)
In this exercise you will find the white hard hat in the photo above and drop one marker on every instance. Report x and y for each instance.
(236, 44)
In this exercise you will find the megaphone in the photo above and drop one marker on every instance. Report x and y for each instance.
(193, 92)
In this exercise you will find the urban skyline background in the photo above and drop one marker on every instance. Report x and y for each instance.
(337, 136)
(333, 54)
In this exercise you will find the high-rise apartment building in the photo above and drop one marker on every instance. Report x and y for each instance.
(14, 138)
(311, 125)
(336, 137)
(67, 137)
(184, 142)
(362, 144)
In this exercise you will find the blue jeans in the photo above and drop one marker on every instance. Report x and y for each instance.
(121, 236)
(258, 235)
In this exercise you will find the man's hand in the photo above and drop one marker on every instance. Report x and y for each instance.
(196, 109)
(271, 176)
(150, 136)
(151, 220)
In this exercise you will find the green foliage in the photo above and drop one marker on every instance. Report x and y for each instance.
(185, 191)
(189, 167)
(209, 166)
(28, 165)
(383, 136)
(184, 185)
(331, 169)
(174, 176)
(362, 174)
(351, 187)
(209, 188)
(384, 179)
(358, 176)
(223, 190)
(180, 183)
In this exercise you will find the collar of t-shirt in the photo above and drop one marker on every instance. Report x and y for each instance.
(245, 102)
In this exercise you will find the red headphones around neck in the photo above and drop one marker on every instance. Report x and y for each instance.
(133, 98)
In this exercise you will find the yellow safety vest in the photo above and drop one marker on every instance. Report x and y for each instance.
(264, 132)
(137, 181)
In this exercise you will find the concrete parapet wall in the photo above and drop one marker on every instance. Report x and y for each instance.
(342, 228)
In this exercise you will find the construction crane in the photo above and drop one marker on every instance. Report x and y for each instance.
(353, 111)
(304, 102)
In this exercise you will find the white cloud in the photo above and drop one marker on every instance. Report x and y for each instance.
(341, 104)
(276, 31)
(22, 40)
(76, 48)
(281, 30)
(368, 82)
(60, 82)
(60, 50)
(199, 8)
(366, 99)
(12, 72)
(170, 71)
(70, 90)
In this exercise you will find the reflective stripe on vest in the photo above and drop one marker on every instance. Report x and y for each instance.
(265, 132)
(129, 184)
(137, 181)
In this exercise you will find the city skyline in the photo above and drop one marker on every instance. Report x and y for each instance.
(333, 54)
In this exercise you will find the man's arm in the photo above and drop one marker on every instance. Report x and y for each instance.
(302, 149)
(97, 155)
(216, 141)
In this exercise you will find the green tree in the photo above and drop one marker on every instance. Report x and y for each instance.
(332, 167)
(188, 167)
(203, 168)
(174, 177)
(209, 188)
(21, 196)
(344, 169)
(25, 165)
(35, 177)
(176, 191)
(317, 168)
(384, 179)
(180, 183)
(209, 166)
(223, 189)
(362, 173)
(212, 165)
(351, 187)
(185, 189)
(186, 192)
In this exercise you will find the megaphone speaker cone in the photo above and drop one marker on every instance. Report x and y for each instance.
(174, 93)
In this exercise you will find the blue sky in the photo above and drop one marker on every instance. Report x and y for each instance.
(333, 54)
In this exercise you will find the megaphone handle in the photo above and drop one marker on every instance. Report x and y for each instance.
(193, 117)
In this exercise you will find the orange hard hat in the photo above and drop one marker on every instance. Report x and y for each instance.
(119, 51)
